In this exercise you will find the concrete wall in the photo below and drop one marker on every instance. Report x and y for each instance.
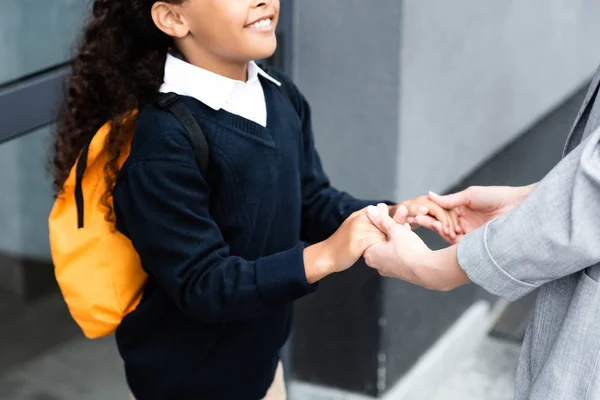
(411, 96)
(346, 61)
(10, 198)
(34, 35)
(25, 196)
(475, 74)
(37, 34)
(447, 83)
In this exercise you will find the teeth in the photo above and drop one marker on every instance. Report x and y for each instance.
(262, 23)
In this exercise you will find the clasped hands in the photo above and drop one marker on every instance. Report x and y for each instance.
(405, 256)
(384, 235)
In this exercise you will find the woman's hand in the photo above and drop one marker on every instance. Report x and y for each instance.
(405, 256)
(477, 205)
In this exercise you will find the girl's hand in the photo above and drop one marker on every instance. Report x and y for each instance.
(347, 245)
(343, 249)
(443, 221)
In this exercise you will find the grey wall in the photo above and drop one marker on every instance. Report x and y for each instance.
(346, 62)
(25, 196)
(411, 96)
(34, 35)
(10, 198)
(474, 74)
(37, 34)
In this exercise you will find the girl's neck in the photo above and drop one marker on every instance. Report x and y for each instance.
(233, 70)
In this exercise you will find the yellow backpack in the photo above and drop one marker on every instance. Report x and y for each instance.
(97, 268)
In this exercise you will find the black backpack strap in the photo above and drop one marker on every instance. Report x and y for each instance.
(79, 172)
(172, 103)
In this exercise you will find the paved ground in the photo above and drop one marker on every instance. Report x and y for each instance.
(78, 370)
(489, 375)
(44, 357)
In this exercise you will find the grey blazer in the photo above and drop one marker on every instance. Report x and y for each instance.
(552, 242)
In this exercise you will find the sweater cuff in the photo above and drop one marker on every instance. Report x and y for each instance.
(479, 264)
(281, 277)
(358, 205)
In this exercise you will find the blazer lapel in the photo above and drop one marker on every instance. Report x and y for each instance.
(586, 102)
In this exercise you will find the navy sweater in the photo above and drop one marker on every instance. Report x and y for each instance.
(224, 252)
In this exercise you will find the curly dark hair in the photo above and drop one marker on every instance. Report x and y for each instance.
(119, 67)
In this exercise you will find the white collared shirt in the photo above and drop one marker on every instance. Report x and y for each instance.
(246, 99)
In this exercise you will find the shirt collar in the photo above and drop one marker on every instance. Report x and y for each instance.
(252, 66)
(211, 89)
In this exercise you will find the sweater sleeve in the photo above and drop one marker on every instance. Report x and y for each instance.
(162, 205)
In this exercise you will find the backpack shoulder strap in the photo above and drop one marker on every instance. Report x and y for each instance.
(172, 103)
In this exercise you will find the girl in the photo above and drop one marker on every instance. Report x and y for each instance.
(224, 251)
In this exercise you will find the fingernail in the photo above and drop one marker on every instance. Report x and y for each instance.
(373, 211)
(433, 193)
(438, 225)
(423, 210)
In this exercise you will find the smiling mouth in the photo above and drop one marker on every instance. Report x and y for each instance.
(262, 25)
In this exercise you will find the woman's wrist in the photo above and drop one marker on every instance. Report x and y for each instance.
(442, 270)
(525, 190)
(318, 263)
